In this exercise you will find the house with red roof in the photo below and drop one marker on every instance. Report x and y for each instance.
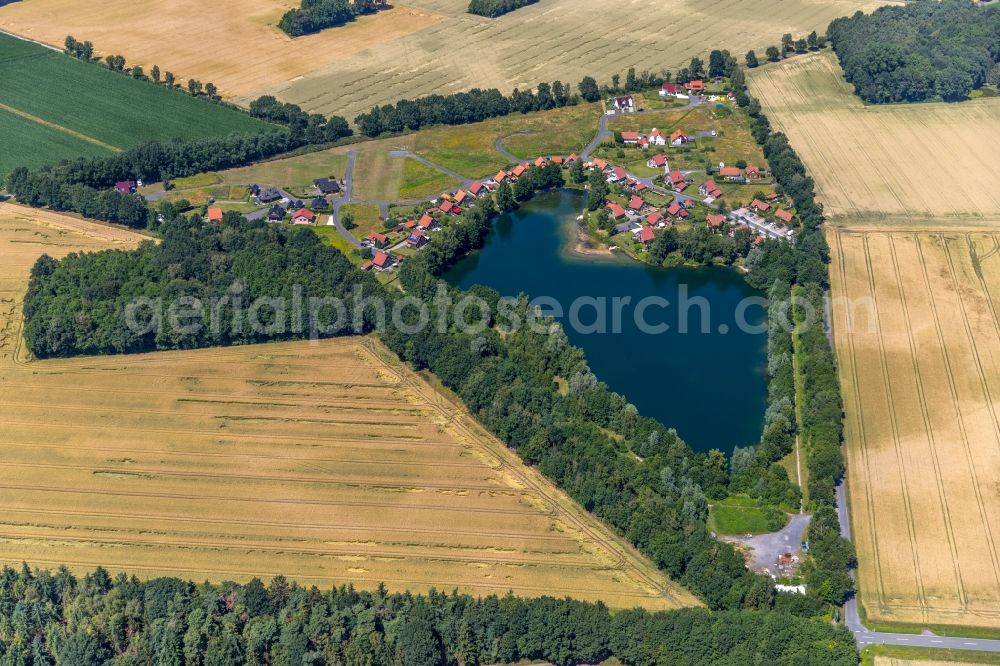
(615, 210)
(630, 138)
(715, 221)
(646, 235)
(461, 196)
(557, 159)
(540, 162)
(598, 163)
(383, 261)
(617, 174)
(500, 177)
(428, 223)
(215, 215)
(376, 239)
(417, 239)
(571, 159)
(783, 215)
(656, 138)
(654, 218)
(449, 207)
(695, 86)
(773, 196)
(710, 189)
(731, 173)
(760, 206)
(303, 216)
(657, 162)
(477, 189)
(518, 171)
(673, 90)
(678, 138)
(752, 172)
(640, 186)
(677, 180)
(636, 202)
(676, 210)
(643, 142)
(125, 187)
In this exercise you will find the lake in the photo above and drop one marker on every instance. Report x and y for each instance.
(705, 374)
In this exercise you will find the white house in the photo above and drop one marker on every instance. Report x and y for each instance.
(656, 138)
(625, 103)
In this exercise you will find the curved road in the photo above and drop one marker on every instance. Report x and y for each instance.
(865, 637)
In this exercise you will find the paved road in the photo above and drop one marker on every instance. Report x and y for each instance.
(346, 199)
(864, 636)
(423, 160)
(503, 149)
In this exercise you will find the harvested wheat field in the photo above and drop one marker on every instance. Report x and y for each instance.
(329, 463)
(420, 47)
(919, 350)
(931, 162)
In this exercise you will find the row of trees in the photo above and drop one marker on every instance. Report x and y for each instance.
(494, 8)
(461, 108)
(54, 618)
(316, 15)
(116, 63)
(789, 45)
(919, 50)
(314, 127)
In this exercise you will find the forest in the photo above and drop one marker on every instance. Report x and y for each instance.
(919, 51)
(316, 15)
(53, 617)
(494, 8)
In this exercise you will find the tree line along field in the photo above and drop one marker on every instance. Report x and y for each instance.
(919, 348)
(420, 47)
(54, 107)
(933, 162)
(329, 463)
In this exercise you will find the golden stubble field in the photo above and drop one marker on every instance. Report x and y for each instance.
(932, 163)
(420, 47)
(329, 463)
(919, 350)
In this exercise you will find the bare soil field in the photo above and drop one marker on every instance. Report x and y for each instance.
(931, 162)
(419, 48)
(917, 333)
(329, 463)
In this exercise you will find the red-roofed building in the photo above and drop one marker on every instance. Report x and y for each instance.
(617, 174)
(125, 186)
(640, 186)
(383, 261)
(417, 239)
(646, 235)
(630, 137)
(500, 177)
(477, 189)
(695, 86)
(367, 266)
(656, 138)
(303, 216)
(654, 218)
(677, 180)
(760, 206)
(376, 239)
(672, 90)
(572, 158)
(752, 172)
(773, 196)
(600, 164)
(540, 162)
(731, 173)
(678, 138)
(215, 215)
(518, 171)
(558, 159)
(710, 189)
(615, 210)
(461, 196)
(410, 224)
(428, 223)
(448, 207)
(715, 221)
(636, 203)
(657, 162)
(643, 142)
(783, 215)
(674, 209)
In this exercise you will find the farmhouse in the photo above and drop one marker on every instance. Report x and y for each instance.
(125, 186)
(599, 164)
(461, 196)
(731, 173)
(215, 215)
(327, 186)
(710, 189)
(625, 103)
(673, 90)
(630, 138)
(303, 216)
(450, 208)
(540, 161)
(678, 138)
(695, 86)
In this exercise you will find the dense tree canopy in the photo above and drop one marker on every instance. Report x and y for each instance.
(919, 50)
(494, 8)
(316, 15)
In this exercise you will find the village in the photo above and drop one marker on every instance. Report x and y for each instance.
(655, 178)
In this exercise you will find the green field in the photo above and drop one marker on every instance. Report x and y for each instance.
(739, 515)
(420, 180)
(81, 101)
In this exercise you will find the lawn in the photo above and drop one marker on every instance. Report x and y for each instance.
(27, 143)
(295, 174)
(420, 181)
(366, 219)
(330, 236)
(738, 515)
(107, 107)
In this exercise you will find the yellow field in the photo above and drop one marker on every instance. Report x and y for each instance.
(920, 370)
(420, 47)
(934, 162)
(330, 463)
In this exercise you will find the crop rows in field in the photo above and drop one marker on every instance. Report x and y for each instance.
(931, 161)
(917, 325)
(327, 462)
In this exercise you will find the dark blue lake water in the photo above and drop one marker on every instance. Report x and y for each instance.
(705, 375)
